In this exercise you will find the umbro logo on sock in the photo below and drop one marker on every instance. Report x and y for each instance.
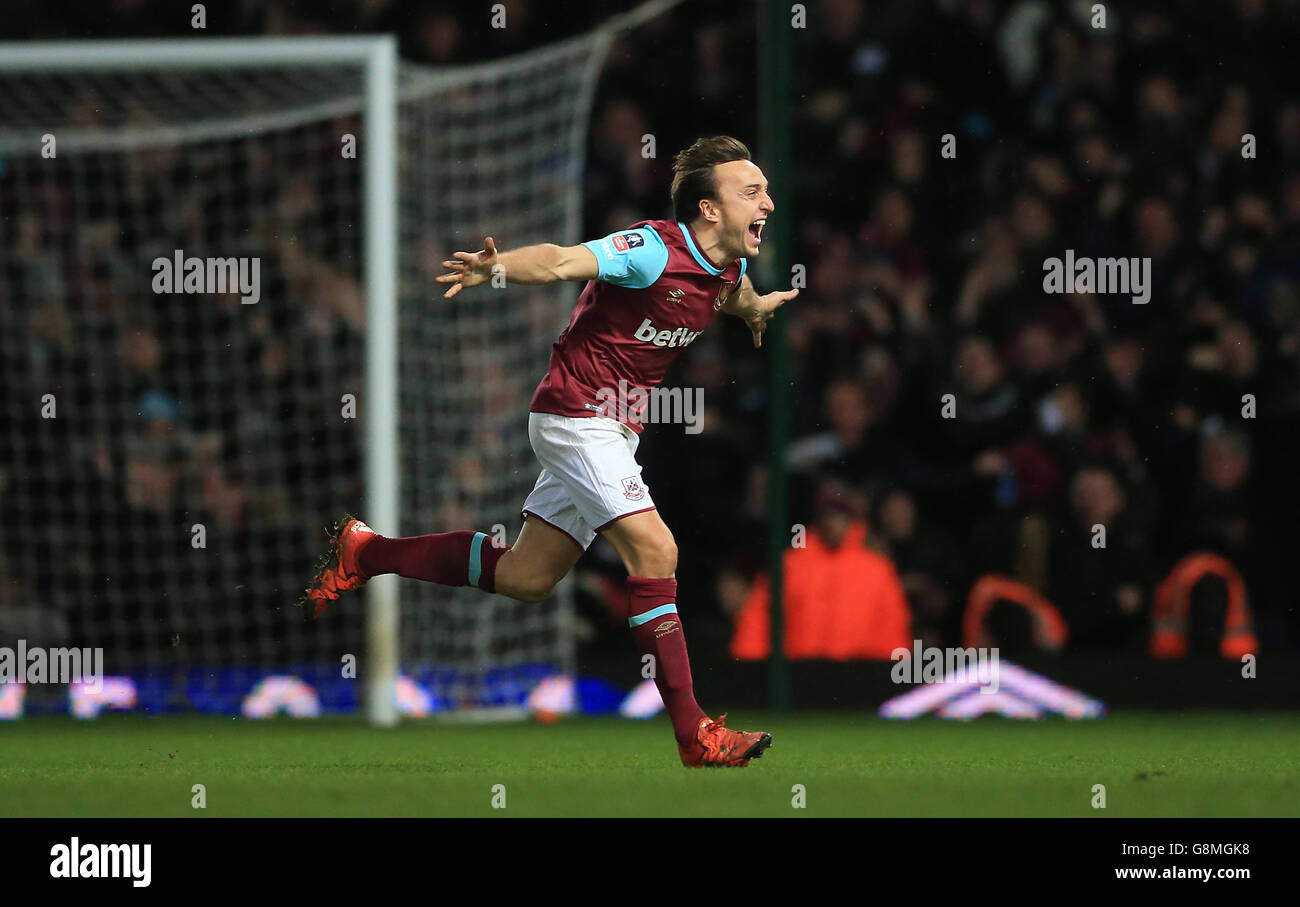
(665, 628)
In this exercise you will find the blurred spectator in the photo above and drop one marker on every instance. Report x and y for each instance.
(1101, 569)
(842, 600)
(929, 563)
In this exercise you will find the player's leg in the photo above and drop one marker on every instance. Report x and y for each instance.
(540, 558)
(357, 553)
(646, 546)
(528, 570)
(554, 536)
(591, 479)
(458, 558)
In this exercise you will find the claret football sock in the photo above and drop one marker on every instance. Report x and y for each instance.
(462, 558)
(657, 631)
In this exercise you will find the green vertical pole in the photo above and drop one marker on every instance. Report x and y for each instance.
(774, 72)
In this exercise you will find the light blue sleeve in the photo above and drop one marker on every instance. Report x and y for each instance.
(744, 262)
(632, 258)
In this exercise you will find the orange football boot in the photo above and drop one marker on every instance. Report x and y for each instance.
(717, 745)
(338, 570)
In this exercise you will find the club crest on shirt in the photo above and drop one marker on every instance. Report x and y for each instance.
(722, 296)
(633, 490)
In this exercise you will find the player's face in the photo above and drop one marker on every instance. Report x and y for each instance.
(743, 205)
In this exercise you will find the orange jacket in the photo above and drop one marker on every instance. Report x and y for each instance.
(840, 603)
(1050, 629)
(1174, 598)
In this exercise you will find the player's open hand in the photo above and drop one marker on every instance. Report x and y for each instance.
(468, 269)
(763, 312)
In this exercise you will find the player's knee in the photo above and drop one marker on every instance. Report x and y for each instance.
(534, 589)
(657, 557)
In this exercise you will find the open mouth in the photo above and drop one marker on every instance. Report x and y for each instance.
(756, 229)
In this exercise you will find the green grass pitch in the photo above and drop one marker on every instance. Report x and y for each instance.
(1202, 764)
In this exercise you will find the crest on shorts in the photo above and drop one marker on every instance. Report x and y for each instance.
(633, 490)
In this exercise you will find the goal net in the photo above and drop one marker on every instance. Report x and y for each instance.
(183, 320)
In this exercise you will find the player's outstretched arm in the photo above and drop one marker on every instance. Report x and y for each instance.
(756, 311)
(543, 263)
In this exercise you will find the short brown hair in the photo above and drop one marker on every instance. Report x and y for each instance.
(693, 172)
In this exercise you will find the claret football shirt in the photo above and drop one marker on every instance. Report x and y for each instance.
(655, 293)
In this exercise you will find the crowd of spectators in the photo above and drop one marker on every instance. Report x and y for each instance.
(1173, 424)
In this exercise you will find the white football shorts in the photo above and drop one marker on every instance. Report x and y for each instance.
(590, 476)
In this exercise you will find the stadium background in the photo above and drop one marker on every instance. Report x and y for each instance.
(924, 278)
